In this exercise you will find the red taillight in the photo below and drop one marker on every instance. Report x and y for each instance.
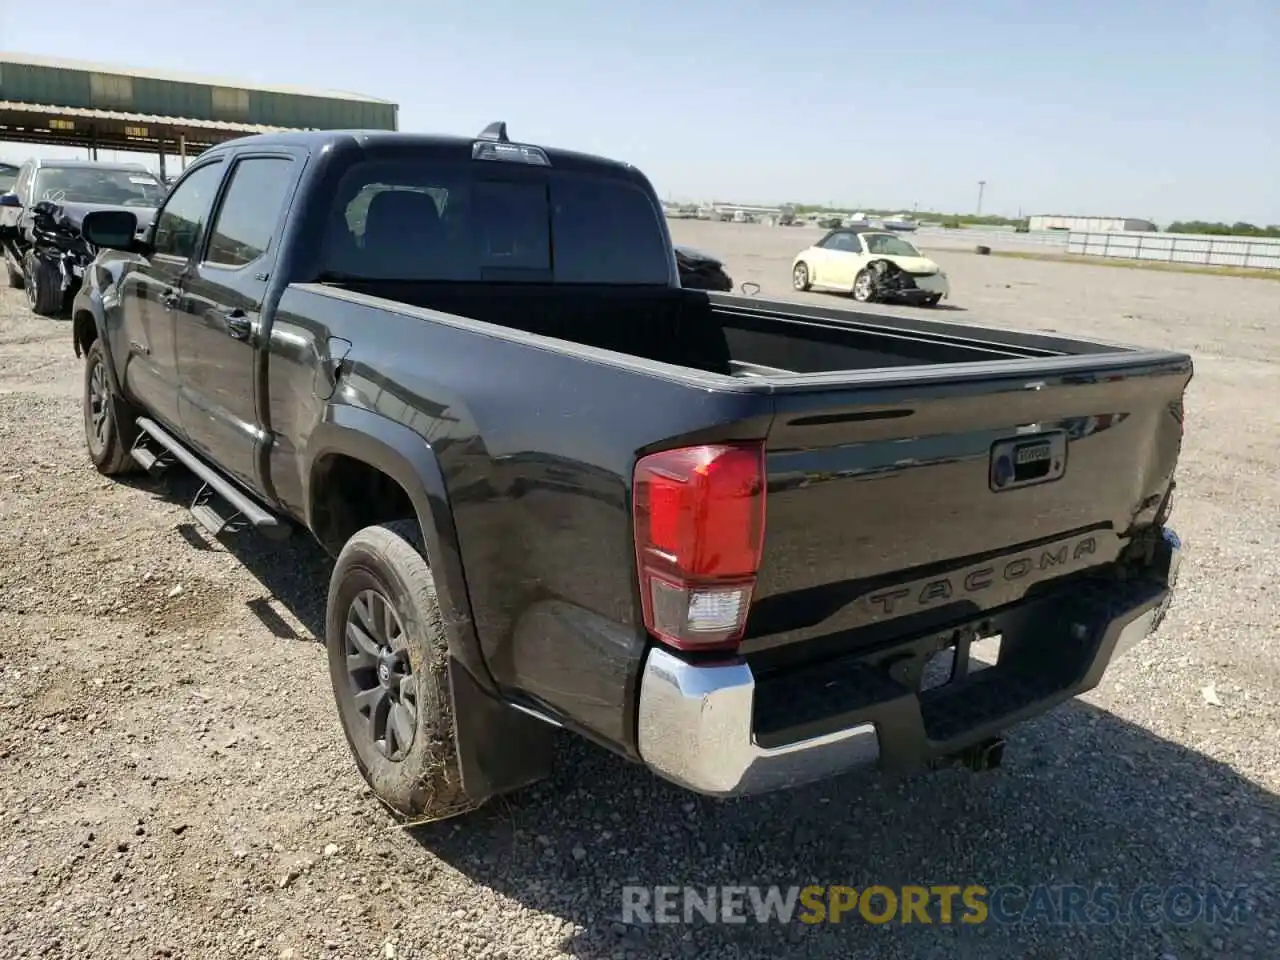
(699, 527)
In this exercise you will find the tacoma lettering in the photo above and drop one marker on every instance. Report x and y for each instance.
(1029, 568)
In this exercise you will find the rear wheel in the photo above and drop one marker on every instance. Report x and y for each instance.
(109, 441)
(800, 276)
(388, 663)
(43, 286)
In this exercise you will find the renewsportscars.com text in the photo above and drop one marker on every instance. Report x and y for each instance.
(935, 904)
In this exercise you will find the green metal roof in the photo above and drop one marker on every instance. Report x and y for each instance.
(87, 66)
(76, 85)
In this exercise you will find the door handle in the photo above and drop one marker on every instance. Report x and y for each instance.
(238, 325)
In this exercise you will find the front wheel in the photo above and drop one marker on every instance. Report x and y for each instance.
(109, 441)
(864, 286)
(43, 286)
(800, 277)
(388, 663)
(933, 300)
(15, 276)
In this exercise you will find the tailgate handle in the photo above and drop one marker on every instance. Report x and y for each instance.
(1024, 461)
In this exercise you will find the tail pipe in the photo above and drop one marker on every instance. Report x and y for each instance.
(984, 755)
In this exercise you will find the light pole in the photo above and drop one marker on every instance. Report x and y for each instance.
(982, 185)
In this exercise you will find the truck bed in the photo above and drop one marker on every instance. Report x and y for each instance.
(921, 476)
(767, 338)
(727, 334)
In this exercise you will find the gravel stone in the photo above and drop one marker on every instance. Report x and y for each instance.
(1139, 782)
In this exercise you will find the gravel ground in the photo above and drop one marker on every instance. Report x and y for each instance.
(174, 782)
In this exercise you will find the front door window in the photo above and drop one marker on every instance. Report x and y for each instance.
(182, 219)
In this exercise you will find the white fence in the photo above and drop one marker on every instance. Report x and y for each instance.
(1050, 240)
(1254, 253)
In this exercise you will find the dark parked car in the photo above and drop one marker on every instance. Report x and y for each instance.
(701, 271)
(40, 219)
(720, 536)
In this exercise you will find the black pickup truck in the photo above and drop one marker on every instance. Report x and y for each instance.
(721, 536)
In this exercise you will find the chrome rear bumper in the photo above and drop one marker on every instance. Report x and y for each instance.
(695, 722)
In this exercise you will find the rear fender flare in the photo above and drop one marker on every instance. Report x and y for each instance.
(499, 748)
(407, 458)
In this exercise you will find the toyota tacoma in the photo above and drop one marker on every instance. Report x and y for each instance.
(724, 537)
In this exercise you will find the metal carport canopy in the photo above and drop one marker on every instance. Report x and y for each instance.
(54, 102)
(50, 125)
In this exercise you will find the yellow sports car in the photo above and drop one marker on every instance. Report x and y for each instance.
(872, 265)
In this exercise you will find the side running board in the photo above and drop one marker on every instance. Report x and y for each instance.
(244, 511)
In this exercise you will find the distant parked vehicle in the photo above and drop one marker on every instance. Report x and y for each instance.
(901, 223)
(701, 271)
(41, 215)
(872, 265)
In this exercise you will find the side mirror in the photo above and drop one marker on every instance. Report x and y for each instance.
(115, 229)
(11, 200)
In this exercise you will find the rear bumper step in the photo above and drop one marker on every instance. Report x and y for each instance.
(720, 730)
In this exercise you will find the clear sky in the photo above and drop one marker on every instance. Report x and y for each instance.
(1168, 110)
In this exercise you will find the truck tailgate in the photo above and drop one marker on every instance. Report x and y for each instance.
(908, 503)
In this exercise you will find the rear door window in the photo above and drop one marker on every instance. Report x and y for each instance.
(249, 211)
(412, 221)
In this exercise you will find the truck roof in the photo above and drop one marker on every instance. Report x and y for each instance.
(319, 139)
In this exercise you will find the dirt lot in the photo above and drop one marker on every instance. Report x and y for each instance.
(173, 780)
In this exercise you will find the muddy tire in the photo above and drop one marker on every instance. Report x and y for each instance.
(108, 439)
(388, 663)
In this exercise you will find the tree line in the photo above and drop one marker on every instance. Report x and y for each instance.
(1237, 229)
(1240, 228)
